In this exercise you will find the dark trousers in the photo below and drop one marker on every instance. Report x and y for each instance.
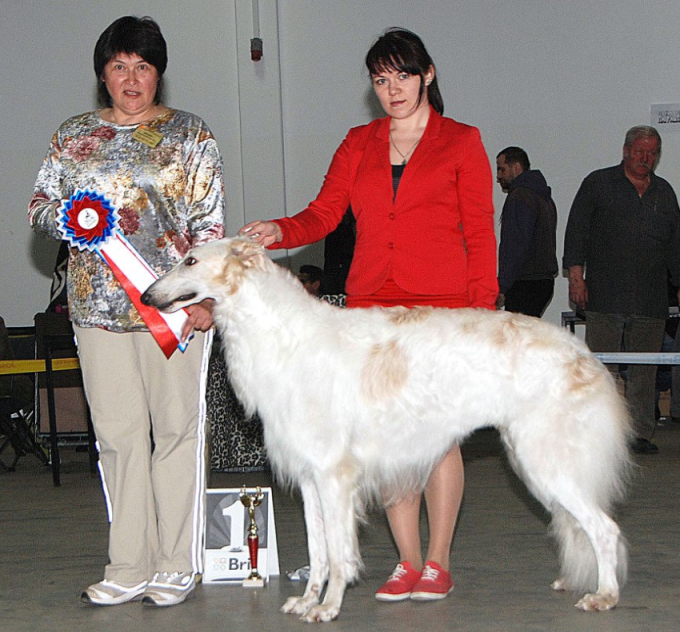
(675, 384)
(618, 332)
(529, 297)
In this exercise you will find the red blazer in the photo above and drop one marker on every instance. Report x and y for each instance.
(437, 237)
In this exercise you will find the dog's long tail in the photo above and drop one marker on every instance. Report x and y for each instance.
(571, 448)
(597, 467)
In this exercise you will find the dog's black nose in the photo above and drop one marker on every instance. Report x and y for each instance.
(146, 298)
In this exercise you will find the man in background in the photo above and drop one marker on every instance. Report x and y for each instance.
(624, 232)
(527, 263)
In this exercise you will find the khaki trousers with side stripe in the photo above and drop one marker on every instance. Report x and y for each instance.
(148, 414)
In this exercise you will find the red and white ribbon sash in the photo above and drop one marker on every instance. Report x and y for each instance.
(89, 221)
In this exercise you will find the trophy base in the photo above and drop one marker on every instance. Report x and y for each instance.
(253, 582)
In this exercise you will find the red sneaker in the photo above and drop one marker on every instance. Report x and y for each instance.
(400, 583)
(434, 583)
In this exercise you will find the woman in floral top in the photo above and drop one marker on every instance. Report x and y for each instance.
(159, 172)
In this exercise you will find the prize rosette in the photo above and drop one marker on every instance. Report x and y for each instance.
(89, 221)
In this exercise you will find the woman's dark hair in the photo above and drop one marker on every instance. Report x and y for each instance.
(130, 34)
(403, 51)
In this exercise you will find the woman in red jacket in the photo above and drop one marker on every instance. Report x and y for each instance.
(420, 188)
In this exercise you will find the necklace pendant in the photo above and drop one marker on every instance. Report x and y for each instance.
(403, 162)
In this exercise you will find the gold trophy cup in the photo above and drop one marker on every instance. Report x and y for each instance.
(250, 501)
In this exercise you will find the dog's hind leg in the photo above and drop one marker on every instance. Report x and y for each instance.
(604, 539)
(317, 548)
(340, 506)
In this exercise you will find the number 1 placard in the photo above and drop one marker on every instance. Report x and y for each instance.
(226, 537)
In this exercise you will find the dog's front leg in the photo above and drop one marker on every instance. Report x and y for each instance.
(318, 557)
(339, 506)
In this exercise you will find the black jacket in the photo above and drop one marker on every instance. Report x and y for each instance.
(628, 244)
(528, 232)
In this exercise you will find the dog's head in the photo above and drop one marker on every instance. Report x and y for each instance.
(214, 270)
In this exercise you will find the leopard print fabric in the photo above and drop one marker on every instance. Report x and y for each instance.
(237, 443)
(334, 299)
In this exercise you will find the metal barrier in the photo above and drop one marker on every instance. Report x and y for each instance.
(624, 357)
(571, 319)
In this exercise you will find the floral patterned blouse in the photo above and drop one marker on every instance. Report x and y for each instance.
(170, 198)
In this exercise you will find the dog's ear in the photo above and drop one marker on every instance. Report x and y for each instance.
(250, 254)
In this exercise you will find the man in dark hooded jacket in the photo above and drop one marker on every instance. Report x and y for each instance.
(527, 260)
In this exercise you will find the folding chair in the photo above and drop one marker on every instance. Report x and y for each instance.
(61, 393)
(17, 409)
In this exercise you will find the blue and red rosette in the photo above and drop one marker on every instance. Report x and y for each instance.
(87, 219)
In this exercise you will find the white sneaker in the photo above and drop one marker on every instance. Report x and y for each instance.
(169, 589)
(108, 593)
(299, 574)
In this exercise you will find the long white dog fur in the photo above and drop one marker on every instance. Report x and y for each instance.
(361, 404)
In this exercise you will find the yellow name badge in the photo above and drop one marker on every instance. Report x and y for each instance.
(146, 135)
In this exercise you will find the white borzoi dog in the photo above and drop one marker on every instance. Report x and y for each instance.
(361, 404)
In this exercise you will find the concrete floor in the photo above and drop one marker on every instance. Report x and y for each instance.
(53, 544)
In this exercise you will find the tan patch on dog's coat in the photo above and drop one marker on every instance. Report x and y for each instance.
(413, 315)
(232, 274)
(583, 374)
(508, 335)
(241, 256)
(385, 372)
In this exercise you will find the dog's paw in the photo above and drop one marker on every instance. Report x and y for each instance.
(559, 584)
(321, 614)
(597, 602)
(298, 605)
